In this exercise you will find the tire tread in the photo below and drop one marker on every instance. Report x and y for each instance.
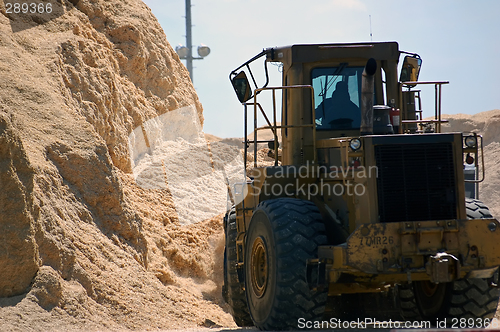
(235, 295)
(298, 231)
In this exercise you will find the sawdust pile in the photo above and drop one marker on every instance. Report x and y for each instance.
(82, 245)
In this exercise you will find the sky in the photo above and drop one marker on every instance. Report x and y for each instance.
(458, 41)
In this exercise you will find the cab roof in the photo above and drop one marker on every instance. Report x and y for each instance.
(323, 52)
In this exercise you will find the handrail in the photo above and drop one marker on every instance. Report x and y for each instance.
(476, 163)
(437, 102)
(274, 126)
(413, 83)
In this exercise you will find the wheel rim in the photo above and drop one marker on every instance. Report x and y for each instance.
(428, 288)
(431, 298)
(259, 268)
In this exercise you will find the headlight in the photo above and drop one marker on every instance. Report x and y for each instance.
(470, 141)
(355, 144)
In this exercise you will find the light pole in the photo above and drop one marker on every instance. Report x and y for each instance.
(186, 52)
(189, 40)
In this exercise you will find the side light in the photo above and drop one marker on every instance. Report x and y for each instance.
(355, 144)
(470, 141)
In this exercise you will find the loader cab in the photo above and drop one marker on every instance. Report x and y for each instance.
(330, 100)
(335, 73)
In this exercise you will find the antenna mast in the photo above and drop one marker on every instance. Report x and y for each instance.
(371, 36)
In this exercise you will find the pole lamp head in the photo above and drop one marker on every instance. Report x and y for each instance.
(182, 51)
(203, 50)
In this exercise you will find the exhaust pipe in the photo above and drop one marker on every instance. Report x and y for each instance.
(367, 89)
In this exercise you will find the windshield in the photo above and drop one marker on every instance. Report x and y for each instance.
(337, 96)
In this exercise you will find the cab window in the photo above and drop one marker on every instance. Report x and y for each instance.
(337, 97)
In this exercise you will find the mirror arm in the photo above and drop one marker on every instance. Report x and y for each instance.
(251, 75)
(415, 55)
(247, 63)
(267, 73)
(261, 54)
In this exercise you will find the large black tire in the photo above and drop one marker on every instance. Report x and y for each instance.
(282, 235)
(464, 298)
(476, 209)
(232, 291)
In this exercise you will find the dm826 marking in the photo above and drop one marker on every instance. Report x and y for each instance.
(376, 240)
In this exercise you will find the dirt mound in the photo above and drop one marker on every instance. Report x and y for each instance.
(485, 123)
(81, 244)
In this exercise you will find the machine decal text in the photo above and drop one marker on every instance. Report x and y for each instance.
(376, 240)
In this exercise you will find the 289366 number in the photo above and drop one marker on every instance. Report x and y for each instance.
(462, 323)
(25, 8)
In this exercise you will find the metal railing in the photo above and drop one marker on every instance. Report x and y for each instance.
(273, 126)
(437, 121)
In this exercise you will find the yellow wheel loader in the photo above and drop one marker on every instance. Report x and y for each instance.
(366, 209)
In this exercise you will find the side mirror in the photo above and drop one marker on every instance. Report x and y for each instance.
(410, 69)
(242, 87)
